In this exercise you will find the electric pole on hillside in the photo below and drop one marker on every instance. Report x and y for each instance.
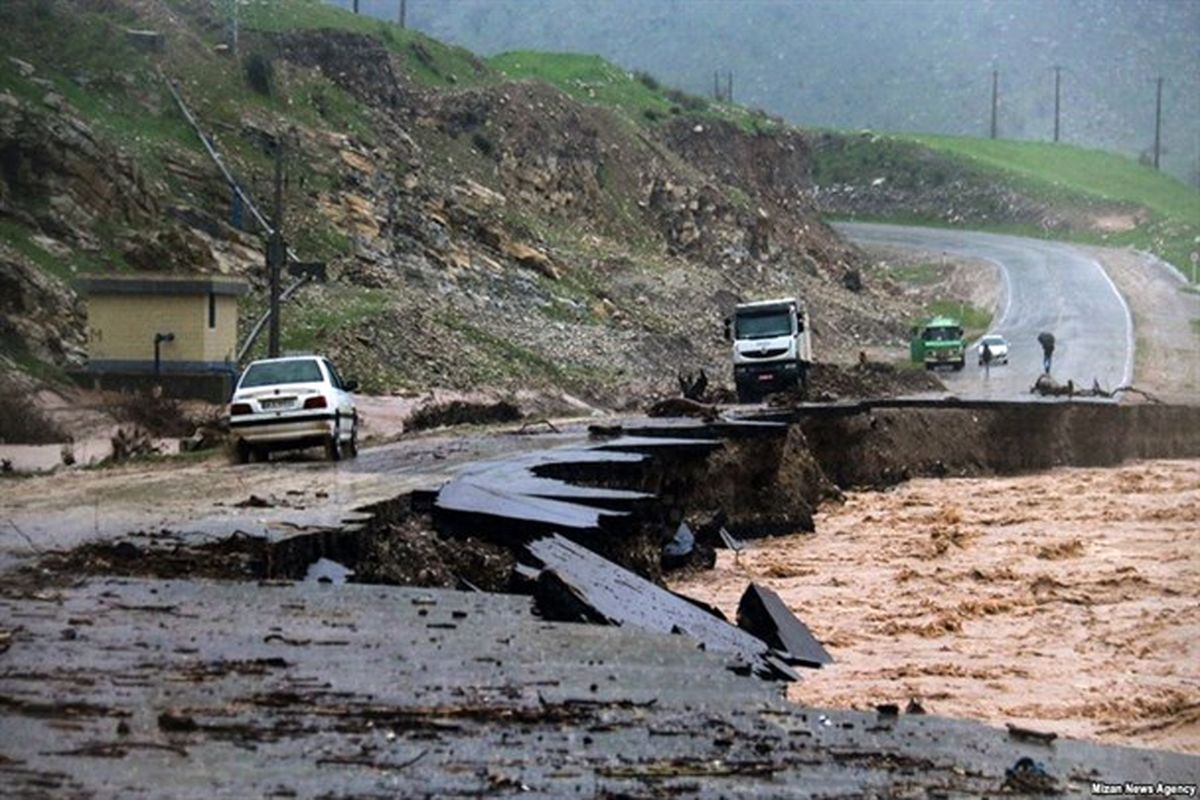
(276, 252)
(1158, 121)
(403, 9)
(717, 85)
(355, 6)
(995, 96)
(1057, 86)
(729, 88)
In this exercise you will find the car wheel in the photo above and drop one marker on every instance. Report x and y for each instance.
(333, 448)
(352, 445)
(242, 452)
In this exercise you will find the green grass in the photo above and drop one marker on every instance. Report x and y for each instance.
(312, 319)
(1062, 176)
(915, 274)
(1094, 173)
(592, 80)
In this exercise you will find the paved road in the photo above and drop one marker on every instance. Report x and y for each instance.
(1048, 286)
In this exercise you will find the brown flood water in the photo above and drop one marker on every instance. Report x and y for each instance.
(1066, 601)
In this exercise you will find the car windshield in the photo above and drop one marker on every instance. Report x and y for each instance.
(764, 325)
(993, 341)
(942, 334)
(272, 372)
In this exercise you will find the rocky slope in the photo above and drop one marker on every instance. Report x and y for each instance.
(478, 231)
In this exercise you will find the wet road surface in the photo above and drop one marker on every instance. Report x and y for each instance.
(1048, 286)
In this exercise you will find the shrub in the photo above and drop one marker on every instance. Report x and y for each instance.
(260, 74)
(21, 422)
(648, 80)
(483, 144)
(153, 413)
(689, 102)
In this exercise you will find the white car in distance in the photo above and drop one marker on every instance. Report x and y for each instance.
(292, 403)
(999, 347)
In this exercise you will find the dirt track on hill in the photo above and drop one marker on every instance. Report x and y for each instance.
(1062, 601)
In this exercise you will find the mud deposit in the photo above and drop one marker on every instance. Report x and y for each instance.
(1063, 601)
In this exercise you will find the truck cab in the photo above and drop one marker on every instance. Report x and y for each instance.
(939, 342)
(772, 347)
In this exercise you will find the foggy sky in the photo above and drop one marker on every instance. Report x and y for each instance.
(902, 65)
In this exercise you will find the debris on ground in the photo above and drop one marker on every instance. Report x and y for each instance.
(683, 407)
(1029, 734)
(254, 501)
(1046, 386)
(872, 379)
(693, 388)
(1029, 777)
(532, 426)
(132, 443)
(462, 412)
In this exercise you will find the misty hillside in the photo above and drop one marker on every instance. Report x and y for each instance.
(890, 65)
(479, 231)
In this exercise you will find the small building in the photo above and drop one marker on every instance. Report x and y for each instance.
(175, 331)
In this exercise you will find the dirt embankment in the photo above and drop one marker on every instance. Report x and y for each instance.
(1061, 601)
(887, 446)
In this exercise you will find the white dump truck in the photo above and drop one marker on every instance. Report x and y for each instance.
(772, 347)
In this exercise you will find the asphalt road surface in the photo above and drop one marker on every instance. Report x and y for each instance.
(1048, 286)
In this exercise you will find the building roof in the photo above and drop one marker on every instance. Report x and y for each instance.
(152, 283)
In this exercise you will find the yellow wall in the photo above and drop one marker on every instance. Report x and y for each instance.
(122, 327)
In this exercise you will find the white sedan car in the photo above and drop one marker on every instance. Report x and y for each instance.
(292, 403)
(999, 347)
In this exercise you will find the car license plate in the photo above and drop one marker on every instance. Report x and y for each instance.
(766, 377)
(276, 403)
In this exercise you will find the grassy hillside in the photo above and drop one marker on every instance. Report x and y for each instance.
(1110, 199)
(591, 79)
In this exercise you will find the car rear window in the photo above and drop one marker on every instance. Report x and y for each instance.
(305, 371)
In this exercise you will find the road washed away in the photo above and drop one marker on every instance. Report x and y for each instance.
(1061, 601)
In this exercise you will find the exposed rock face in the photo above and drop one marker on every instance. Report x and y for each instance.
(56, 175)
(772, 165)
(359, 64)
(39, 316)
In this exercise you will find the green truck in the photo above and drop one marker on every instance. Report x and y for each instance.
(939, 343)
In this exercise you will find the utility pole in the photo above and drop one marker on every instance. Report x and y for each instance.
(995, 95)
(1057, 84)
(355, 6)
(276, 251)
(1158, 129)
(729, 88)
(403, 10)
(717, 85)
(233, 26)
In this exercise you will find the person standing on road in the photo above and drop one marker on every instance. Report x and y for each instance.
(1046, 340)
(985, 358)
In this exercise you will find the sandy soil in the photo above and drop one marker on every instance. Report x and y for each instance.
(1062, 601)
(1167, 346)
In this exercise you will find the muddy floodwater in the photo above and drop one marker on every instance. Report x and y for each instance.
(1066, 601)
